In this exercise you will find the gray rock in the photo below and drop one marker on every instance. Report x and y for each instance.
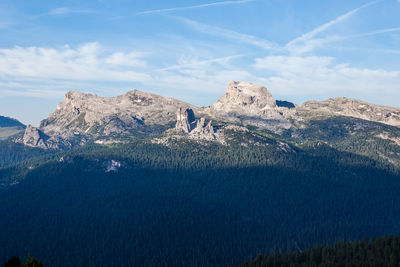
(343, 106)
(196, 129)
(33, 137)
(185, 120)
(249, 104)
(82, 118)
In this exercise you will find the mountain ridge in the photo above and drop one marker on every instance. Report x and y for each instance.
(10, 127)
(84, 117)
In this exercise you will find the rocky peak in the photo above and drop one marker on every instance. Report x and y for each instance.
(185, 120)
(203, 128)
(249, 104)
(33, 137)
(343, 106)
(89, 116)
(245, 98)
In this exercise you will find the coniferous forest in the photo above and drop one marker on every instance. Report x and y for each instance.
(377, 252)
(143, 204)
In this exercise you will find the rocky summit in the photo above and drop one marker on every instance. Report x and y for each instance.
(353, 108)
(249, 104)
(187, 123)
(83, 118)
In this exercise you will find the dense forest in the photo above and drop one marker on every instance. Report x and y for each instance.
(190, 204)
(377, 252)
(16, 262)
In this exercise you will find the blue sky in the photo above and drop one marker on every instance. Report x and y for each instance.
(300, 50)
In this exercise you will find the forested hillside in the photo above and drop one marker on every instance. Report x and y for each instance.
(378, 252)
(193, 204)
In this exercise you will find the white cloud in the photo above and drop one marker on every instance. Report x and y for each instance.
(59, 11)
(199, 79)
(35, 71)
(229, 34)
(62, 11)
(195, 63)
(132, 59)
(221, 3)
(321, 76)
(305, 42)
(5, 24)
(373, 33)
(315, 43)
(86, 62)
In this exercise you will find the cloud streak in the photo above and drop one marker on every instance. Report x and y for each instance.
(294, 44)
(200, 63)
(30, 71)
(86, 62)
(377, 32)
(64, 11)
(229, 34)
(167, 10)
(319, 77)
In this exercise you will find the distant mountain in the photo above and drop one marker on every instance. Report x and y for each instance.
(141, 174)
(86, 118)
(343, 106)
(10, 122)
(10, 127)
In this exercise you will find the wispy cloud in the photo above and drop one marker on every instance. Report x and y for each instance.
(5, 24)
(319, 77)
(63, 11)
(200, 63)
(91, 66)
(87, 62)
(303, 39)
(315, 43)
(67, 10)
(229, 34)
(391, 51)
(221, 3)
(377, 32)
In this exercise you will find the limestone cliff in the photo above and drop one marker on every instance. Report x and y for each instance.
(83, 118)
(249, 104)
(352, 108)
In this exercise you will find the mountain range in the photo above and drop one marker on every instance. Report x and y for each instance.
(144, 180)
(83, 118)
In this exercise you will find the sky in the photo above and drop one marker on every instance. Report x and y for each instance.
(190, 50)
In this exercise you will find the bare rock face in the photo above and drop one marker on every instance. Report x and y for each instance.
(245, 98)
(185, 120)
(249, 104)
(206, 131)
(350, 107)
(82, 117)
(84, 112)
(33, 137)
(196, 129)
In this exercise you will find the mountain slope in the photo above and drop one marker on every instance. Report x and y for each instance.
(86, 118)
(352, 108)
(10, 127)
(249, 104)
(194, 205)
(10, 122)
(191, 186)
(378, 252)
